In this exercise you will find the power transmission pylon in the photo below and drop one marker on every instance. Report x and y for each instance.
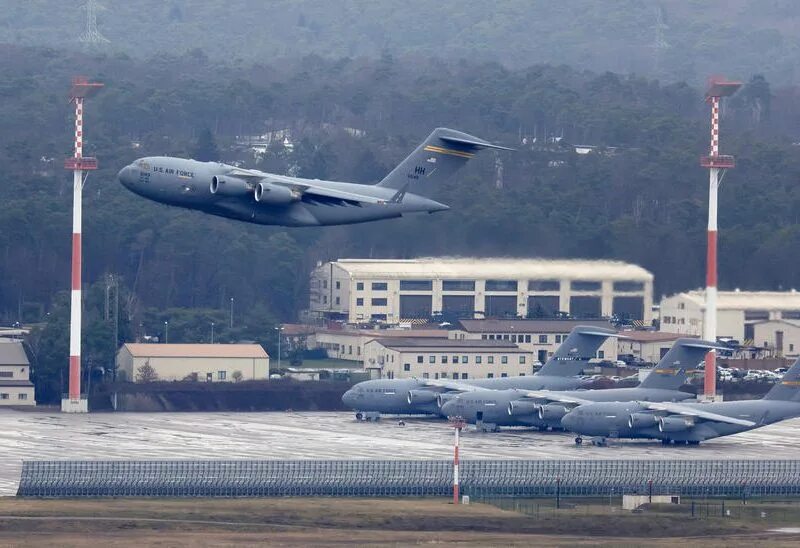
(90, 35)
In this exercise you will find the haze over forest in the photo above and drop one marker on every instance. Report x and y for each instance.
(358, 85)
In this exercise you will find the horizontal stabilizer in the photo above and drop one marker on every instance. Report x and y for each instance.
(472, 142)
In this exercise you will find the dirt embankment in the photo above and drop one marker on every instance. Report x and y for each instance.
(276, 395)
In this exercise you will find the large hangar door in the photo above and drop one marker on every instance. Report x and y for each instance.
(585, 307)
(543, 306)
(501, 306)
(458, 306)
(631, 308)
(415, 306)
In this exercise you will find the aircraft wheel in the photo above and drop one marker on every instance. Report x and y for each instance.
(359, 416)
(578, 440)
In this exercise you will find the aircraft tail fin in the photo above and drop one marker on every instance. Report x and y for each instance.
(580, 346)
(671, 370)
(788, 388)
(443, 153)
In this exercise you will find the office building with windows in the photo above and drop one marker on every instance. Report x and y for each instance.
(15, 385)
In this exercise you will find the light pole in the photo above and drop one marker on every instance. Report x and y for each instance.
(166, 332)
(279, 329)
(212, 332)
(231, 312)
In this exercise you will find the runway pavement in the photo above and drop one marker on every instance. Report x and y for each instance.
(51, 435)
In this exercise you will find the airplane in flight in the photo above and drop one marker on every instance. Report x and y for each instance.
(265, 198)
(425, 396)
(688, 423)
(544, 409)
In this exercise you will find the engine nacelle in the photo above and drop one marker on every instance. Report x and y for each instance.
(553, 412)
(228, 186)
(269, 193)
(442, 399)
(674, 424)
(420, 397)
(521, 408)
(642, 420)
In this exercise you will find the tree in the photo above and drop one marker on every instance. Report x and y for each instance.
(237, 376)
(146, 373)
(205, 149)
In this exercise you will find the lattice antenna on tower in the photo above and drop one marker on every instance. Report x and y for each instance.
(90, 34)
(660, 44)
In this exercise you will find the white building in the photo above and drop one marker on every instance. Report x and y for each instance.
(348, 344)
(781, 338)
(428, 358)
(540, 337)
(368, 290)
(737, 311)
(203, 362)
(649, 346)
(15, 385)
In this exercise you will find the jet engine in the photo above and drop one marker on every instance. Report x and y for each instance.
(228, 186)
(553, 412)
(442, 399)
(519, 408)
(270, 193)
(674, 424)
(419, 397)
(642, 420)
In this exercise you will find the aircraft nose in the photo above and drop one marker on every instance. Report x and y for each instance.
(347, 398)
(127, 176)
(568, 420)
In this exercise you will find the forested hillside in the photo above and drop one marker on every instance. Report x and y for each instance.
(640, 197)
(668, 39)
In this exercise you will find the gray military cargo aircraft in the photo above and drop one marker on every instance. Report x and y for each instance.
(268, 199)
(544, 409)
(688, 423)
(425, 396)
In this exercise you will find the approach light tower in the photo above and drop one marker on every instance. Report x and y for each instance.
(81, 88)
(716, 164)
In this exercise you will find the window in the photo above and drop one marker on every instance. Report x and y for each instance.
(3, 396)
(406, 367)
(458, 285)
(350, 349)
(490, 360)
(478, 360)
(490, 375)
(464, 359)
(425, 375)
(756, 315)
(325, 299)
(544, 285)
(522, 360)
(416, 285)
(420, 359)
(6, 374)
(444, 359)
(359, 302)
(455, 359)
(504, 359)
(491, 337)
(22, 396)
(501, 285)
(586, 286)
(504, 374)
(628, 286)
(484, 336)
(542, 339)
(513, 338)
(337, 300)
(455, 376)
(221, 375)
(359, 286)
(522, 374)
(431, 359)
(338, 285)
(601, 354)
(379, 302)
(380, 286)
(464, 376)
(558, 339)
(791, 347)
(527, 338)
(324, 284)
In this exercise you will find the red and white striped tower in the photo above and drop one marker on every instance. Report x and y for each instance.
(457, 423)
(716, 164)
(81, 88)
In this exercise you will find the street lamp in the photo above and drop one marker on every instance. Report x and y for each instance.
(231, 312)
(166, 332)
(212, 332)
(279, 329)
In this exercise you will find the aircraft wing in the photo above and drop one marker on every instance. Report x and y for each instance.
(450, 385)
(553, 396)
(679, 409)
(309, 189)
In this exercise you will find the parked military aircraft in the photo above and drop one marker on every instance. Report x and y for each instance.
(268, 199)
(425, 396)
(686, 422)
(544, 409)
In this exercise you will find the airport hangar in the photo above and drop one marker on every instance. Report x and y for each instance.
(397, 291)
(738, 312)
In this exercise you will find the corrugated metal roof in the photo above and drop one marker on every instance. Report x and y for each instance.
(196, 350)
(447, 344)
(387, 333)
(528, 326)
(13, 353)
(15, 383)
(493, 269)
(748, 300)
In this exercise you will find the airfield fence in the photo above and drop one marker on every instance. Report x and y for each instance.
(386, 478)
